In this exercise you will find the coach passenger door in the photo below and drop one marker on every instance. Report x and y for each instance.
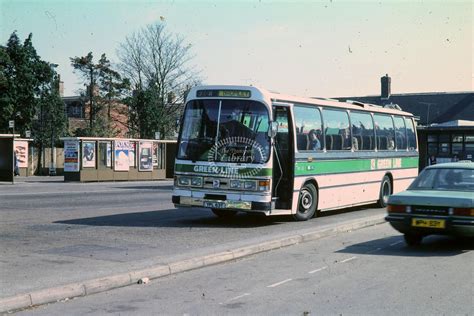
(283, 158)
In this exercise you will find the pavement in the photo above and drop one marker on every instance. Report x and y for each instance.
(97, 278)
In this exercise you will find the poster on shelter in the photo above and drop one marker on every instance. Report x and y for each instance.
(88, 154)
(109, 154)
(121, 150)
(21, 151)
(145, 156)
(131, 154)
(71, 156)
(155, 154)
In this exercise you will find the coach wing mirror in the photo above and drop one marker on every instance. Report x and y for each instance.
(273, 130)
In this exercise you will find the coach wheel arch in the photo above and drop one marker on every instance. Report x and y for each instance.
(314, 183)
(386, 189)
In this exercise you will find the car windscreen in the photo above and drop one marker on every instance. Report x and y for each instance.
(445, 179)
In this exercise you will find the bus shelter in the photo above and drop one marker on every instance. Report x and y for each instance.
(14, 148)
(114, 159)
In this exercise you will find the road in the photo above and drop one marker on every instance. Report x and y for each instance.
(54, 233)
(364, 272)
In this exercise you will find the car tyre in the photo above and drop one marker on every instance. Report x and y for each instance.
(412, 239)
(385, 191)
(307, 203)
(224, 213)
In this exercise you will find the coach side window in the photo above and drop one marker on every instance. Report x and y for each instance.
(362, 131)
(337, 131)
(384, 132)
(309, 136)
(400, 133)
(411, 137)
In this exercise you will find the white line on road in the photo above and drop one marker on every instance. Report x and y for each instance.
(395, 243)
(348, 259)
(237, 297)
(317, 270)
(375, 250)
(279, 283)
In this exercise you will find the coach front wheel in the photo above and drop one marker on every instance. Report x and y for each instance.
(307, 202)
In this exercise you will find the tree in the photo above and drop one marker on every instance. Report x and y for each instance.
(157, 64)
(105, 87)
(30, 94)
(21, 77)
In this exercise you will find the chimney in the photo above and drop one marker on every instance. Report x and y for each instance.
(61, 89)
(386, 89)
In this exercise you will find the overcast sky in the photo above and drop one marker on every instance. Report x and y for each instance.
(308, 48)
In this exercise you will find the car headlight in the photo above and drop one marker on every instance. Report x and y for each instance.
(196, 181)
(235, 184)
(184, 181)
(250, 185)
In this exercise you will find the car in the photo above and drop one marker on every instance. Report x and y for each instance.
(439, 201)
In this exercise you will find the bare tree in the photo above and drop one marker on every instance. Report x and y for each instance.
(157, 64)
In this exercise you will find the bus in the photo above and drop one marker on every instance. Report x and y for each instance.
(246, 149)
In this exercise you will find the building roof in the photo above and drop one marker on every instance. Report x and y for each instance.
(435, 107)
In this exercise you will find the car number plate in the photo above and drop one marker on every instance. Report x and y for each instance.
(213, 204)
(429, 223)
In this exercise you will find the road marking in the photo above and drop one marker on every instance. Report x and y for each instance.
(348, 259)
(375, 250)
(237, 297)
(317, 270)
(395, 243)
(279, 283)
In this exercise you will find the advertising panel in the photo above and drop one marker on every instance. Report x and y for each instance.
(21, 151)
(71, 156)
(88, 154)
(122, 148)
(131, 154)
(109, 154)
(145, 157)
(155, 154)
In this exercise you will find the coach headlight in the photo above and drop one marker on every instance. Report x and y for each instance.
(184, 181)
(250, 185)
(196, 181)
(235, 184)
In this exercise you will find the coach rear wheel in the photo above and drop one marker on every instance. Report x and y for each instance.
(385, 191)
(307, 202)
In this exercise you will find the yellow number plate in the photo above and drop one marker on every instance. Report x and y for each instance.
(430, 223)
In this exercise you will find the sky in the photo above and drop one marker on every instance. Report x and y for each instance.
(324, 48)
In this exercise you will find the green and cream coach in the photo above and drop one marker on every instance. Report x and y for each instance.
(242, 148)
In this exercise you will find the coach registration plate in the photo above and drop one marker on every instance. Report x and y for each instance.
(214, 204)
(429, 223)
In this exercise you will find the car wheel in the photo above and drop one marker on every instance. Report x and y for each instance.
(413, 239)
(223, 213)
(307, 202)
(385, 191)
